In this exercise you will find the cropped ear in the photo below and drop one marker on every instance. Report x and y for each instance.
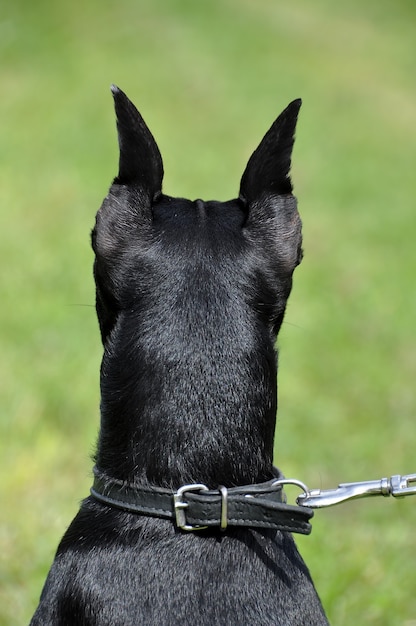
(140, 160)
(267, 172)
(273, 221)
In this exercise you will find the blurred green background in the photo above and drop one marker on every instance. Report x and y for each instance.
(210, 77)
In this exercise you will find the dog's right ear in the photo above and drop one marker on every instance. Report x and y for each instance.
(140, 162)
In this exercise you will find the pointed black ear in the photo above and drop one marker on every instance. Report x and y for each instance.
(267, 171)
(140, 160)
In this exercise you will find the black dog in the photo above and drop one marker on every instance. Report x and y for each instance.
(190, 298)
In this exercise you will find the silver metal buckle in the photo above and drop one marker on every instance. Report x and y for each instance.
(180, 505)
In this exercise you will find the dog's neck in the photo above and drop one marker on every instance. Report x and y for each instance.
(193, 420)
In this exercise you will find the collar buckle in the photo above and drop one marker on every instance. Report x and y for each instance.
(180, 506)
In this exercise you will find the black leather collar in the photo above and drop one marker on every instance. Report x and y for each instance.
(194, 507)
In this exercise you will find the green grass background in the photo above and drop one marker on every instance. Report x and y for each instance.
(209, 77)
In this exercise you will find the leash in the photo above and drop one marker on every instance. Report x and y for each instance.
(397, 486)
(195, 507)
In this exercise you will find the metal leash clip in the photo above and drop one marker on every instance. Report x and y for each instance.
(397, 486)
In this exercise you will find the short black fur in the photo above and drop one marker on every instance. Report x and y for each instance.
(190, 298)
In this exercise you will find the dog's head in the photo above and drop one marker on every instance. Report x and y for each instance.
(148, 244)
(190, 297)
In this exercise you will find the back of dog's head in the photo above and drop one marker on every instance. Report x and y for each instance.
(191, 294)
(151, 248)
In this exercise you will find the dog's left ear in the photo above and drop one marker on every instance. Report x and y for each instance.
(273, 221)
(140, 160)
(267, 172)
